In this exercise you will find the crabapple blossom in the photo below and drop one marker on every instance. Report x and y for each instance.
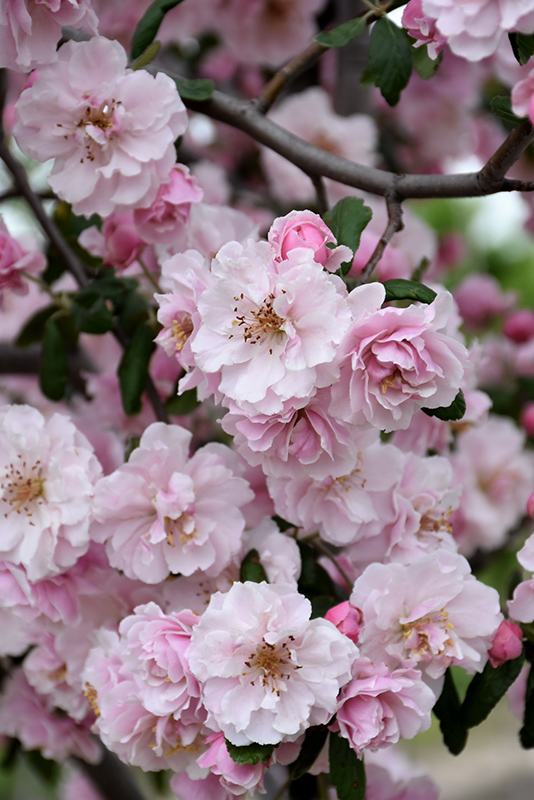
(422, 28)
(110, 130)
(347, 619)
(30, 31)
(394, 361)
(47, 477)
(432, 613)
(13, 259)
(117, 243)
(165, 513)
(379, 707)
(507, 643)
(306, 229)
(266, 671)
(270, 327)
(163, 221)
(238, 779)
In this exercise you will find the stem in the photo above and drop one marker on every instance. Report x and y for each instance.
(288, 73)
(394, 225)
(320, 546)
(320, 192)
(322, 786)
(149, 275)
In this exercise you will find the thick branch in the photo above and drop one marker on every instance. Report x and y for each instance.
(313, 160)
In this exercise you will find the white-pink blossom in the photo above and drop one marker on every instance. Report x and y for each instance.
(306, 229)
(266, 671)
(30, 31)
(164, 512)
(164, 220)
(109, 129)
(432, 613)
(270, 327)
(238, 779)
(422, 28)
(117, 243)
(378, 706)
(395, 361)
(47, 477)
(13, 259)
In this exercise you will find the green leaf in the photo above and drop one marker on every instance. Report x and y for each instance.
(402, 289)
(91, 314)
(347, 219)
(148, 26)
(526, 734)
(33, 330)
(502, 106)
(426, 67)
(54, 366)
(314, 580)
(147, 56)
(182, 404)
(487, 688)
(451, 413)
(196, 89)
(311, 747)
(347, 771)
(250, 753)
(133, 368)
(390, 59)
(523, 46)
(451, 721)
(343, 34)
(251, 568)
(48, 771)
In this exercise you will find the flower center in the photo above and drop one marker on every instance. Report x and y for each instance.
(271, 664)
(427, 637)
(184, 527)
(260, 324)
(91, 697)
(21, 486)
(181, 331)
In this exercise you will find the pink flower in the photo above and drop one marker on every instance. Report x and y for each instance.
(13, 259)
(459, 21)
(164, 220)
(306, 229)
(480, 297)
(117, 243)
(422, 28)
(519, 326)
(507, 643)
(432, 613)
(110, 130)
(379, 707)
(347, 619)
(164, 512)
(47, 475)
(265, 670)
(396, 360)
(522, 97)
(30, 31)
(270, 327)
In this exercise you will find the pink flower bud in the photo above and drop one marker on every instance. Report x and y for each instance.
(530, 506)
(306, 229)
(519, 327)
(347, 619)
(507, 643)
(527, 418)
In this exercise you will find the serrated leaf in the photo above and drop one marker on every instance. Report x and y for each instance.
(487, 688)
(54, 366)
(33, 330)
(182, 404)
(451, 413)
(133, 369)
(502, 106)
(347, 771)
(251, 568)
(148, 26)
(522, 46)
(250, 753)
(91, 314)
(343, 34)
(195, 89)
(147, 56)
(526, 734)
(347, 220)
(402, 289)
(390, 59)
(312, 745)
(451, 721)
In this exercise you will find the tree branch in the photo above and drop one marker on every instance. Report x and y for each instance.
(394, 225)
(286, 74)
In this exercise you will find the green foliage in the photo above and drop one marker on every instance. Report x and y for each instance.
(250, 753)
(316, 584)
(526, 734)
(347, 219)
(54, 366)
(251, 568)
(196, 89)
(402, 289)
(311, 747)
(90, 312)
(148, 26)
(147, 56)
(390, 59)
(487, 688)
(522, 45)
(33, 330)
(347, 771)
(502, 106)
(451, 413)
(449, 712)
(343, 34)
(133, 368)
(182, 404)
(425, 66)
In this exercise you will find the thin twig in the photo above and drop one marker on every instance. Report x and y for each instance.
(286, 74)
(320, 546)
(320, 193)
(394, 225)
